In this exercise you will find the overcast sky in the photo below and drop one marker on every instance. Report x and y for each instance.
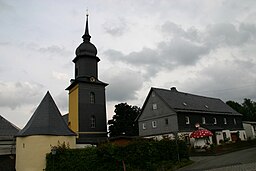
(204, 47)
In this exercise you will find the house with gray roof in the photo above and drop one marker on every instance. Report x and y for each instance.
(7, 144)
(170, 112)
(7, 136)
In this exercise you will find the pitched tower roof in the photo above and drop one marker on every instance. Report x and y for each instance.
(46, 120)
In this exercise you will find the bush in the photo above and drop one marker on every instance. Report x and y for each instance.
(140, 155)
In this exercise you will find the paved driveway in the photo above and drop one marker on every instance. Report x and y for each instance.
(236, 161)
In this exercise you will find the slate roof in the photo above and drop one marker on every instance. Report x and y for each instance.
(185, 102)
(7, 128)
(46, 120)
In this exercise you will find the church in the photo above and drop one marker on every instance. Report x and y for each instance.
(85, 124)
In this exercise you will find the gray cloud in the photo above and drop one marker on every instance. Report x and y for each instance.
(116, 28)
(124, 84)
(62, 101)
(13, 95)
(183, 48)
(54, 49)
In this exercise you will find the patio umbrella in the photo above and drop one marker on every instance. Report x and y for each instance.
(201, 133)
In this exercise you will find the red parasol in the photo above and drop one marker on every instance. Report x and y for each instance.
(200, 133)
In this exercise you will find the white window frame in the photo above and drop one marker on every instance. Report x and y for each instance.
(144, 126)
(235, 121)
(225, 121)
(154, 106)
(93, 121)
(214, 121)
(187, 121)
(154, 125)
(203, 120)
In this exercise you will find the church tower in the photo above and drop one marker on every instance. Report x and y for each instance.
(87, 102)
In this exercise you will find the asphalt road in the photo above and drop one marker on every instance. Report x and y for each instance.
(236, 161)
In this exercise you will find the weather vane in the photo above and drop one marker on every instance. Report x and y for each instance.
(87, 12)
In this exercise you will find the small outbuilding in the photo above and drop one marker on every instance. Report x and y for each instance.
(45, 129)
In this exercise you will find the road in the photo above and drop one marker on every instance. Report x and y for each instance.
(236, 161)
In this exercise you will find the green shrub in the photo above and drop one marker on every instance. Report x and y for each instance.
(143, 154)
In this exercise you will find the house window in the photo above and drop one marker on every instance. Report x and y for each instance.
(93, 121)
(225, 121)
(154, 106)
(144, 126)
(187, 120)
(234, 121)
(214, 121)
(154, 124)
(166, 121)
(92, 97)
(203, 120)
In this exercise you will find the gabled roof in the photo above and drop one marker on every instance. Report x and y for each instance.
(7, 128)
(46, 120)
(180, 101)
(185, 102)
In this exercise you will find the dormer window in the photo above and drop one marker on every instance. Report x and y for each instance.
(153, 94)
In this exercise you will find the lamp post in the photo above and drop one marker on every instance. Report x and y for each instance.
(53, 151)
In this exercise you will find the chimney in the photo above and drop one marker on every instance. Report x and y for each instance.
(173, 89)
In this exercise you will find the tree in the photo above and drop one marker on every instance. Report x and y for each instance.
(247, 108)
(123, 122)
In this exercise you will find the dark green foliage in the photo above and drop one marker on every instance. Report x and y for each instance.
(123, 122)
(247, 108)
(143, 155)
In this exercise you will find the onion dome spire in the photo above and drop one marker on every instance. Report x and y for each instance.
(86, 48)
(86, 36)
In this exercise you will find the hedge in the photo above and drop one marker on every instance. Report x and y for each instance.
(138, 155)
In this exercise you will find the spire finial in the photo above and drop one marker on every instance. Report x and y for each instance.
(86, 36)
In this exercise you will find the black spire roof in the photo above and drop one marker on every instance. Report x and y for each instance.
(86, 48)
(46, 120)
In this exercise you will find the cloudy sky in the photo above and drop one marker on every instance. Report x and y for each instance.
(203, 47)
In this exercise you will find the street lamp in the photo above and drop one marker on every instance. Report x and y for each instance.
(53, 151)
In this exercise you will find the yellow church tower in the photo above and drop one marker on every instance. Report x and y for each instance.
(87, 101)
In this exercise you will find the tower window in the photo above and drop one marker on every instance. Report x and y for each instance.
(92, 98)
(93, 121)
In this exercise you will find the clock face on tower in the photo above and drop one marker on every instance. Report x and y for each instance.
(92, 79)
